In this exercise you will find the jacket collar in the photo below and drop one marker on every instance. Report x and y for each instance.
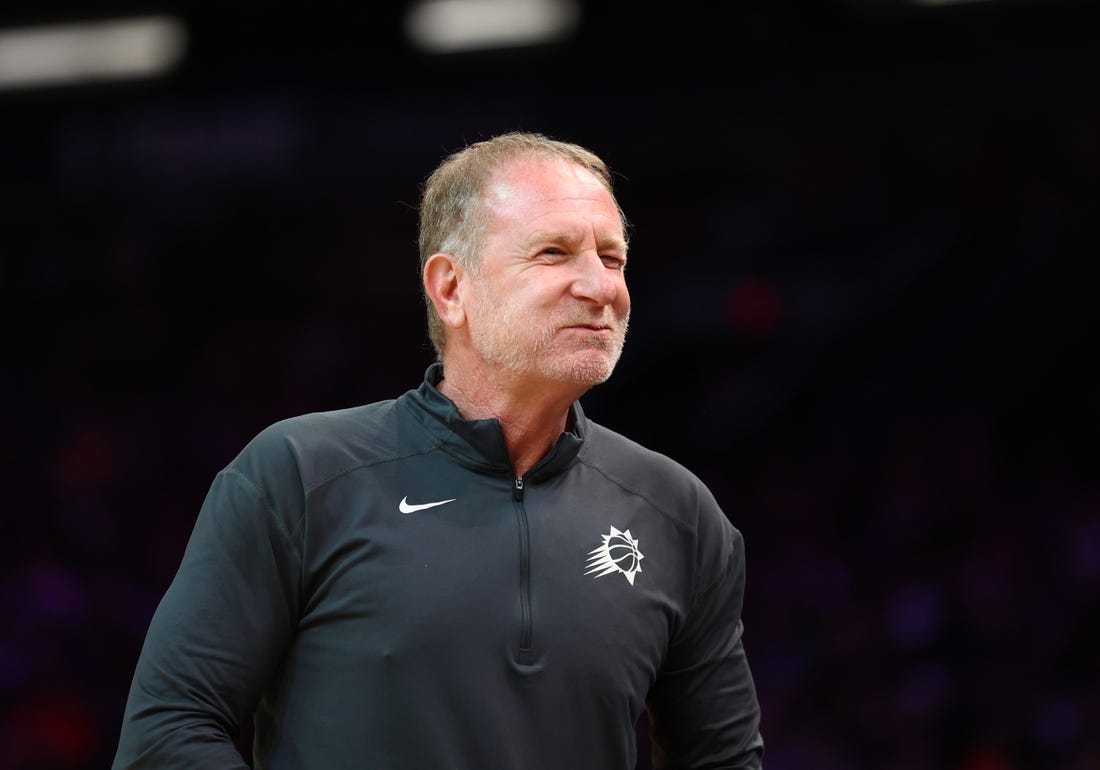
(480, 444)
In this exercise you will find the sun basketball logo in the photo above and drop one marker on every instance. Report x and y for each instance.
(619, 553)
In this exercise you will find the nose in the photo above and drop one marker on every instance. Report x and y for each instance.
(595, 282)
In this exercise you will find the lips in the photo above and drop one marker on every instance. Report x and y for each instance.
(595, 326)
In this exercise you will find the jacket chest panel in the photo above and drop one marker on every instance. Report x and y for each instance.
(570, 575)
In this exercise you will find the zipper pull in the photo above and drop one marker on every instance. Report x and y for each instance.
(517, 493)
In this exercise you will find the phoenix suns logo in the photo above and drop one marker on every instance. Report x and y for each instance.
(618, 553)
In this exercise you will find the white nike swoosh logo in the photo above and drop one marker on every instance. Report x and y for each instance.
(404, 506)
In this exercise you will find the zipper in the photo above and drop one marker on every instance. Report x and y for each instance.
(526, 654)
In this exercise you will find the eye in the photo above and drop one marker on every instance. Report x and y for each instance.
(613, 262)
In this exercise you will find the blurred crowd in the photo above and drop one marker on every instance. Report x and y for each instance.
(873, 336)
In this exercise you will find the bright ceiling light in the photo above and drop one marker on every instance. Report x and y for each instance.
(449, 26)
(66, 54)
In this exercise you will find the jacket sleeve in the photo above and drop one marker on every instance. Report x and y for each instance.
(703, 707)
(219, 632)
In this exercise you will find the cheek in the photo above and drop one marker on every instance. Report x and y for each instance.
(622, 301)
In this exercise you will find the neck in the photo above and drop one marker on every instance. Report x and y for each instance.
(531, 415)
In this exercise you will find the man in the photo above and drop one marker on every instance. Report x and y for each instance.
(472, 575)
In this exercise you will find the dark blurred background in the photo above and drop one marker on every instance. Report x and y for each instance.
(863, 269)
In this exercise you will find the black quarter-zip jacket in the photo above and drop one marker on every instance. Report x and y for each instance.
(378, 591)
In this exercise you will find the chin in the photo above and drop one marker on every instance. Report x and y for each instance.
(586, 370)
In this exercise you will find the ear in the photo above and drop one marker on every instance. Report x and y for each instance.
(442, 275)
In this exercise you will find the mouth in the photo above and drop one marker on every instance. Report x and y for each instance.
(590, 327)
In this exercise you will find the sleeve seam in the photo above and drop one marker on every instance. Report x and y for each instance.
(279, 523)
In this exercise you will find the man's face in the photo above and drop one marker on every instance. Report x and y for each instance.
(549, 297)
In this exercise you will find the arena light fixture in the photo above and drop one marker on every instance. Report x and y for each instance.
(75, 53)
(451, 26)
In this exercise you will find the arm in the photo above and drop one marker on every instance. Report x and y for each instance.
(703, 707)
(216, 636)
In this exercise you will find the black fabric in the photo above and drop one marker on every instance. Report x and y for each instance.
(491, 627)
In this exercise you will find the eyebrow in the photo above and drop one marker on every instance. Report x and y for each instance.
(561, 236)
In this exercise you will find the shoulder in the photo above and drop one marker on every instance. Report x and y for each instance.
(317, 446)
(663, 481)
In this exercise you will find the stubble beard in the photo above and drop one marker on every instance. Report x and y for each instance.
(511, 342)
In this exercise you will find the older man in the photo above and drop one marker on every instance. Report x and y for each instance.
(472, 575)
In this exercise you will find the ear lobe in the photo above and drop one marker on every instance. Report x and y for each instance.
(442, 275)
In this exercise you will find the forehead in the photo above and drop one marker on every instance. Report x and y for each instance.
(540, 193)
